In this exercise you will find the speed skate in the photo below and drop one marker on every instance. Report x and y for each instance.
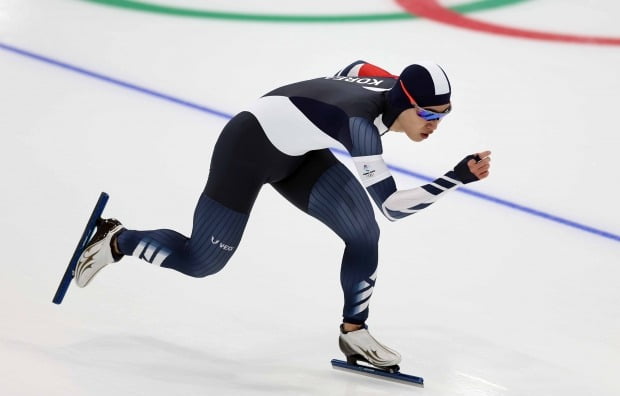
(377, 359)
(91, 225)
(390, 373)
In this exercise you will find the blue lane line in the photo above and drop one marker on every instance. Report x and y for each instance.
(506, 203)
(114, 81)
(226, 116)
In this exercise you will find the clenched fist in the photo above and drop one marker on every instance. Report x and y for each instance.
(473, 167)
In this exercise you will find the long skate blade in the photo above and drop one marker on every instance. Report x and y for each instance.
(86, 235)
(376, 372)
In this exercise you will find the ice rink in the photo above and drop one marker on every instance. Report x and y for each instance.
(510, 289)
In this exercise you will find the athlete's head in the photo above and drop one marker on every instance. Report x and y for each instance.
(418, 100)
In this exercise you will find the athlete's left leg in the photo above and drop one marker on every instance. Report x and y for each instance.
(216, 234)
(239, 165)
(324, 188)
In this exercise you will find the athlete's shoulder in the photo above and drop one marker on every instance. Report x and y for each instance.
(362, 68)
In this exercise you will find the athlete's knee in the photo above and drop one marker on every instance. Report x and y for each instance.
(202, 272)
(199, 269)
(198, 266)
(374, 232)
(366, 237)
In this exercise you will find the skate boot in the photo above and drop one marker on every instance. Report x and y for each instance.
(98, 253)
(359, 345)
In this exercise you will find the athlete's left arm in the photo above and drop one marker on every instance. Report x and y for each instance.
(380, 184)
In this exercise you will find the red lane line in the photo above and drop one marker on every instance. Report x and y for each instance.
(431, 9)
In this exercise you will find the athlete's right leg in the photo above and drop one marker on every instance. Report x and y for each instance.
(325, 189)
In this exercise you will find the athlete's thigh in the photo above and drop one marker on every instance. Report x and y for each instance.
(297, 187)
(324, 188)
(243, 160)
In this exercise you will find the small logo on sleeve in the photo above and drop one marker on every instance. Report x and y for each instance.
(368, 172)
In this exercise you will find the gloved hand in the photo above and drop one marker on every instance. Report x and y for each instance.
(473, 167)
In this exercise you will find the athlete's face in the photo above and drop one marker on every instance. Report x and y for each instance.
(416, 127)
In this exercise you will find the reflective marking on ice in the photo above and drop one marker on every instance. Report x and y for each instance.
(471, 377)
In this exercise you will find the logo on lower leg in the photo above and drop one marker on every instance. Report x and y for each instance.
(221, 245)
(151, 252)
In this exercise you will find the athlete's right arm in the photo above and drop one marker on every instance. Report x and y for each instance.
(379, 182)
(362, 68)
(396, 204)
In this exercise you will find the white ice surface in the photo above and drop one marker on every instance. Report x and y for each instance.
(480, 299)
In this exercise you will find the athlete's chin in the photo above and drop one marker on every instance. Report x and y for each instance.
(418, 137)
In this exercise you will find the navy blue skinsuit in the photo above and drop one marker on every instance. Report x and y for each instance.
(283, 140)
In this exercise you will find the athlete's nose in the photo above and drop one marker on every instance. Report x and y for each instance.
(431, 125)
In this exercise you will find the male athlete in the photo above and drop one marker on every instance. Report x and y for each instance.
(283, 140)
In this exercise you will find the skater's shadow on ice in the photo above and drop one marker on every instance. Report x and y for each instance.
(152, 359)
